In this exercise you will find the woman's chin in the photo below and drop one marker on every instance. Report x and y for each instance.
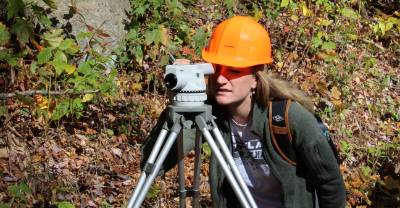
(222, 101)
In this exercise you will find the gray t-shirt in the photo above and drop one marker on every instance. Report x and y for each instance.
(248, 156)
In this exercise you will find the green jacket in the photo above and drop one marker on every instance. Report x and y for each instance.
(317, 169)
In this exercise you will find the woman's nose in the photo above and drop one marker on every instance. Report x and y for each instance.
(221, 79)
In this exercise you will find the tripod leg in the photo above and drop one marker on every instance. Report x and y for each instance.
(176, 128)
(214, 147)
(197, 168)
(181, 173)
(150, 161)
(231, 162)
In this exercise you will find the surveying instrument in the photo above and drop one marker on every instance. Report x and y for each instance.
(188, 86)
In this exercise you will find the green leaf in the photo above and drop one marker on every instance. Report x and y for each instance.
(83, 35)
(60, 57)
(77, 104)
(70, 69)
(23, 30)
(366, 170)
(5, 205)
(20, 191)
(45, 20)
(230, 4)
(65, 204)
(65, 44)
(53, 37)
(328, 45)
(153, 36)
(51, 3)
(350, 13)
(84, 68)
(59, 66)
(60, 63)
(140, 10)
(44, 55)
(200, 39)
(382, 27)
(344, 146)
(14, 7)
(132, 34)
(61, 110)
(139, 54)
(4, 34)
(316, 41)
(284, 3)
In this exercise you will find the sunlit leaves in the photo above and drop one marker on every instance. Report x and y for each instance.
(69, 46)
(53, 37)
(87, 97)
(44, 55)
(328, 45)
(4, 34)
(51, 3)
(284, 3)
(65, 204)
(84, 68)
(383, 26)
(153, 36)
(350, 13)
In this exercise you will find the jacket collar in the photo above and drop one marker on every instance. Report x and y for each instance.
(258, 118)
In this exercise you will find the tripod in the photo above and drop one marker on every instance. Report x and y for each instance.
(185, 116)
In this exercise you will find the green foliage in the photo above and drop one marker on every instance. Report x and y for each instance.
(164, 33)
(64, 204)
(4, 34)
(56, 70)
(153, 192)
(19, 193)
(15, 8)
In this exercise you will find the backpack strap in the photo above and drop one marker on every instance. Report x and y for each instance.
(282, 140)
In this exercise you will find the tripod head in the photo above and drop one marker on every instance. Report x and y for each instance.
(186, 82)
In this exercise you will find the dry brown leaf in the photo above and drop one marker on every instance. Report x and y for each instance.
(335, 93)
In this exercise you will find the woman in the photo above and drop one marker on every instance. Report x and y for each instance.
(240, 91)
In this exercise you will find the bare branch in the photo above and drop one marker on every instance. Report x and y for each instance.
(45, 92)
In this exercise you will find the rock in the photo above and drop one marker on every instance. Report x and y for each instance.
(106, 18)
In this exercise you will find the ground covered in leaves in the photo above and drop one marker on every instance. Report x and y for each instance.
(345, 54)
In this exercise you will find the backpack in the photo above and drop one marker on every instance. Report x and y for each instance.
(280, 131)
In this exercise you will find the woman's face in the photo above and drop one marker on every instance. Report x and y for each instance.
(233, 85)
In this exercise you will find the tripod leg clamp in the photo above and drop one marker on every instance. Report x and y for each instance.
(148, 168)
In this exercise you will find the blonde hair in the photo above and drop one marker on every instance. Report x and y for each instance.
(269, 87)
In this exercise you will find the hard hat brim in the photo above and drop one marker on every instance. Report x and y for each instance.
(232, 61)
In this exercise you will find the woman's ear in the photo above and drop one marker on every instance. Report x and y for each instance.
(254, 83)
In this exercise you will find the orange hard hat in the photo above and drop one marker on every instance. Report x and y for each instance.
(238, 42)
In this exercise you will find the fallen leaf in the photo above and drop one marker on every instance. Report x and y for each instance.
(4, 153)
(117, 151)
(335, 93)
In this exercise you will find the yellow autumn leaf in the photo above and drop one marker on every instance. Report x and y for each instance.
(258, 15)
(87, 97)
(294, 18)
(42, 102)
(306, 11)
(70, 69)
(335, 93)
(136, 87)
(164, 35)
